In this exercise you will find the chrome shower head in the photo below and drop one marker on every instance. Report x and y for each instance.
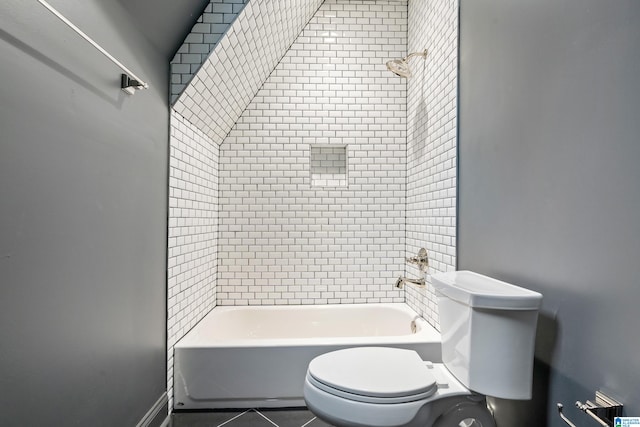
(400, 67)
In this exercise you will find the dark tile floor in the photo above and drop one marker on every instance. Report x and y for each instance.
(290, 417)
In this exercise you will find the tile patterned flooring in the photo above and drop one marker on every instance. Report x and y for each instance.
(290, 417)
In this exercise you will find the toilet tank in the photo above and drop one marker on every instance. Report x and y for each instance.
(488, 332)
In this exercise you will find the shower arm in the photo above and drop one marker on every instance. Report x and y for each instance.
(411, 55)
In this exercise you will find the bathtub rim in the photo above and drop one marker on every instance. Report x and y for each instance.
(426, 332)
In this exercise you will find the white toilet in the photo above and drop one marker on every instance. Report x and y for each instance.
(488, 334)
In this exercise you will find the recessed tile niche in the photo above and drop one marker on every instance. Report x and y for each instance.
(328, 165)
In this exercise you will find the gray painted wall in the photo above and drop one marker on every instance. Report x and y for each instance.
(165, 22)
(549, 185)
(83, 207)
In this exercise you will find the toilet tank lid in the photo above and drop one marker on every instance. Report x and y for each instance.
(479, 291)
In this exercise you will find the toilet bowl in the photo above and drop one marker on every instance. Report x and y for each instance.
(381, 387)
(488, 332)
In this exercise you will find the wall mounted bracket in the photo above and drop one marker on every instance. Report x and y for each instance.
(129, 85)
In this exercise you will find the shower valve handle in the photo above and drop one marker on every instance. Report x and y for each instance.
(422, 260)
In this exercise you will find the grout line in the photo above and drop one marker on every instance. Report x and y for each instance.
(265, 417)
(308, 422)
(236, 417)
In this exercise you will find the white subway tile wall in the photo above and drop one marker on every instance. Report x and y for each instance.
(193, 231)
(205, 34)
(201, 118)
(431, 144)
(246, 226)
(283, 241)
(241, 61)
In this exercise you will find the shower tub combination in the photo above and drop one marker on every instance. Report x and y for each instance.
(247, 357)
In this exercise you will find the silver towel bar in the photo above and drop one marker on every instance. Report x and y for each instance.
(603, 411)
(129, 82)
(564, 418)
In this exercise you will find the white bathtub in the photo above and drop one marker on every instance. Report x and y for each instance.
(247, 357)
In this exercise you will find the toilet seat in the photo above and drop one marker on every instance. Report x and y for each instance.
(380, 387)
(373, 375)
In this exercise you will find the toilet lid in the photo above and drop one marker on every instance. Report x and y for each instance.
(373, 373)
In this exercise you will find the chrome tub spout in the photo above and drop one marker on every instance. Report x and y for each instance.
(402, 280)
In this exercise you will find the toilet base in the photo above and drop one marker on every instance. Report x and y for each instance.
(468, 414)
(448, 412)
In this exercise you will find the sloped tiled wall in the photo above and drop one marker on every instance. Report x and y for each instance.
(241, 62)
(431, 144)
(200, 42)
(283, 241)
